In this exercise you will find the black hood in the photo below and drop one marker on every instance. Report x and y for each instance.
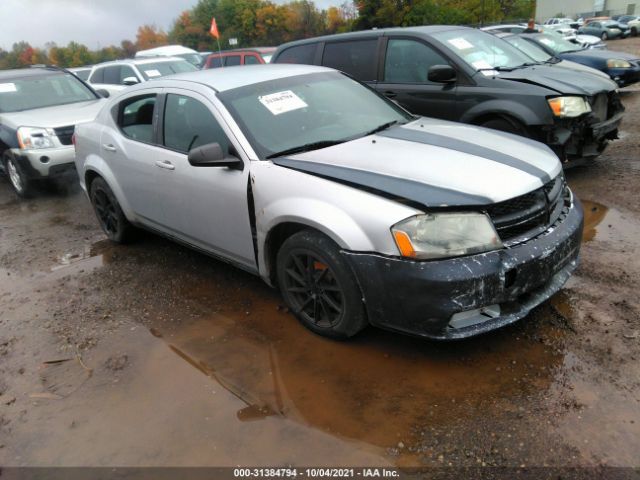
(562, 80)
(598, 55)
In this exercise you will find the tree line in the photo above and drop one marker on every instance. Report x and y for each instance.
(265, 23)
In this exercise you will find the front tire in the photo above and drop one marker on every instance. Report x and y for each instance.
(604, 36)
(109, 213)
(319, 287)
(21, 184)
(506, 125)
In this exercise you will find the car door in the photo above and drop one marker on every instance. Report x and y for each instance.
(405, 78)
(129, 147)
(204, 206)
(593, 28)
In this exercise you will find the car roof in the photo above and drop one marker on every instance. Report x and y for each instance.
(228, 78)
(140, 61)
(29, 72)
(424, 29)
(246, 49)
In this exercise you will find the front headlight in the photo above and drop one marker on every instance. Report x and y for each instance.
(569, 106)
(31, 138)
(440, 235)
(618, 63)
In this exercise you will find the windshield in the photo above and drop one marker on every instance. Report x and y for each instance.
(529, 49)
(556, 43)
(161, 69)
(283, 114)
(482, 50)
(193, 58)
(19, 94)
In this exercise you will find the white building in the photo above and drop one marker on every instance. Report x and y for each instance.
(585, 8)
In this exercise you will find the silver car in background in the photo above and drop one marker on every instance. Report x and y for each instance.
(117, 75)
(360, 212)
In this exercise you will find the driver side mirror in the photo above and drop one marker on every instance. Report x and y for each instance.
(130, 81)
(211, 155)
(103, 93)
(442, 74)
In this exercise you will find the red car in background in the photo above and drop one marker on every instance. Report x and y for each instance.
(240, 56)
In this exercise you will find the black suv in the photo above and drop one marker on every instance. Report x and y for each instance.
(467, 75)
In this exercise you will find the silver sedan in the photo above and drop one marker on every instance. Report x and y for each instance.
(358, 211)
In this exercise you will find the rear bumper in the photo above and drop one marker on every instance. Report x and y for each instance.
(46, 163)
(422, 298)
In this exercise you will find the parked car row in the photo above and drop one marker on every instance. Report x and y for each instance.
(464, 231)
(466, 75)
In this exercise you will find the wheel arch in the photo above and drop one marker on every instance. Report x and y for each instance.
(270, 242)
(96, 167)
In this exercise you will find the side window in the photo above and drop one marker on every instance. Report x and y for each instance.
(135, 118)
(300, 54)
(126, 72)
(97, 76)
(232, 60)
(188, 124)
(251, 59)
(408, 61)
(215, 62)
(357, 58)
(112, 75)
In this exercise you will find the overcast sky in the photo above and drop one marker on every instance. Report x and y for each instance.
(96, 23)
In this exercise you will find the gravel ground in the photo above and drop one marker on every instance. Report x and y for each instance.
(152, 354)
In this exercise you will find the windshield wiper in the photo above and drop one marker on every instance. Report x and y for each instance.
(382, 127)
(553, 60)
(496, 69)
(307, 147)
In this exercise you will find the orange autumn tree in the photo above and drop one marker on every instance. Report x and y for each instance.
(150, 36)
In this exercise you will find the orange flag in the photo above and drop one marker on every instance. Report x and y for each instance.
(214, 29)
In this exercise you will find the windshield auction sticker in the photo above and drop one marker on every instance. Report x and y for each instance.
(282, 102)
(460, 43)
(7, 87)
(152, 73)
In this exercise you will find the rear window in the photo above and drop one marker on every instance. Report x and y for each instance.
(135, 118)
(82, 74)
(232, 60)
(357, 58)
(298, 54)
(18, 94)
(214, 62)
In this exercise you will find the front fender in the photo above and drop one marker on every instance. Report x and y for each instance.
(509, 108)
(317, 214)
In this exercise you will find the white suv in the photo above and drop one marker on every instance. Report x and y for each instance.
(117, 75)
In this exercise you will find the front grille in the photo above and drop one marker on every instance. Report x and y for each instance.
(64, 134)
(528, 214)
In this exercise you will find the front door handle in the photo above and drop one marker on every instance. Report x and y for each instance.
(166, 164)
(390, 94)
(109, 147)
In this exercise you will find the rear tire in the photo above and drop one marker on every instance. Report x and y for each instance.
(109, 213)
(318, 286)
(21, 184)
(634, 32)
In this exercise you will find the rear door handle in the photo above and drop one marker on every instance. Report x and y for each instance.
(109, 147)
(165, 164)
(390, 94)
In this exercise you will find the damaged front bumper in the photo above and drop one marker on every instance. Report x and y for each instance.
(586, 136)
(461, 297)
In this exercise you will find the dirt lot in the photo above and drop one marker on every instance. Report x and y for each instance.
(151, 354)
